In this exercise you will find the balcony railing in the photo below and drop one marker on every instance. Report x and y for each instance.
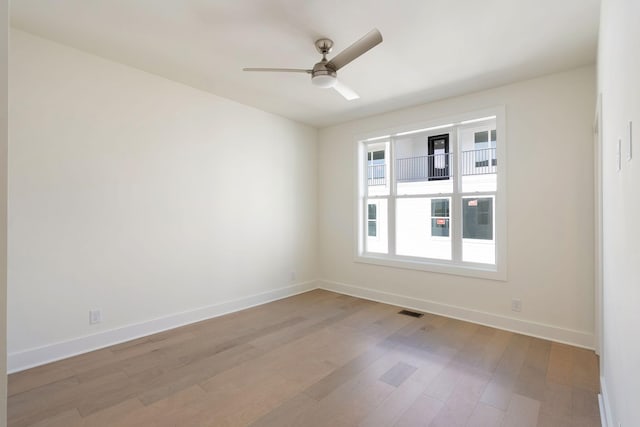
(376, 175)
(479, 162)
(436, 167)
(423, 168)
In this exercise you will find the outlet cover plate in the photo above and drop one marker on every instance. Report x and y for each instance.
(95, 316)
(516, 305)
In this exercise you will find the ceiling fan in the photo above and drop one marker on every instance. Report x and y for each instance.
(324, 73)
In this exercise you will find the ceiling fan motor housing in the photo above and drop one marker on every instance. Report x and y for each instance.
(323, 76)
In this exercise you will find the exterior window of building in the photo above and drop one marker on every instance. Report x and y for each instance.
(440, 217)
(372, 226)
(485, 148)
(477, 218)
(432, 200)
(376, 167)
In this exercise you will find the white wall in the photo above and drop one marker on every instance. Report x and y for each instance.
(550, 213)
(144, 198)
(619, 84)
(4, 64)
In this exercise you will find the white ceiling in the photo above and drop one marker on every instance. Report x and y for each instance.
(432, 48)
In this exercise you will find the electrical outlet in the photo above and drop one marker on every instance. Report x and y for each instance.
(516, 305)
(95, 316)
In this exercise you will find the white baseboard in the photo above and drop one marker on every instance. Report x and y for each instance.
(606, 416)
(540, 330)
(26, 359)
(50, 353)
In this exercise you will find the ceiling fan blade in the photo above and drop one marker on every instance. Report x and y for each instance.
(285, 70)
(344, 90)
(369, 41)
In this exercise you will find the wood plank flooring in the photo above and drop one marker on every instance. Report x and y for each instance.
(316, 359)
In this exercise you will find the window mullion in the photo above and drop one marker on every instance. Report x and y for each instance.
(456, 201)
(365, 224)
(363, 157)
(391, 204)
(365, 202)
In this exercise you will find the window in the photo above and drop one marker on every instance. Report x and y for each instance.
(440, 217)
(485, 148)
(376, 167)
(477, 216)
(432, 198)
(372, 229)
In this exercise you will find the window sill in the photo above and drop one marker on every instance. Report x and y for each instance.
(478, 271)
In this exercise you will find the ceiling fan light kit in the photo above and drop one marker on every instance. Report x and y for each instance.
(324, 73)
(324, 81)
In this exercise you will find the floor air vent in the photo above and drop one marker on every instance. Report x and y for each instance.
(411, 313)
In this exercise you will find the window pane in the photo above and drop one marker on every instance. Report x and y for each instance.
(372, 231)
(478, 243)
(372, 211)
(440, 217)
(440, 227)
(377, 229)
(440, 207)
(478, 158)
(481, 137)
(378, 183)
(477, 218)
(418, 232)
(423, 163)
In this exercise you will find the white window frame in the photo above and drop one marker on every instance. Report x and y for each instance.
(485, 271)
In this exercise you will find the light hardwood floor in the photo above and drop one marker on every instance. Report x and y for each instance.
(316, 359)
